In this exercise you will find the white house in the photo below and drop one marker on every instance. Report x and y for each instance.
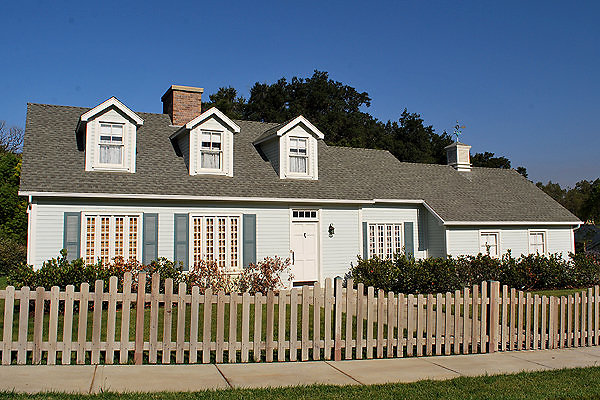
(190, 185)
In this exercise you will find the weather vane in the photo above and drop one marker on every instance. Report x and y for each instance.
(458, 131)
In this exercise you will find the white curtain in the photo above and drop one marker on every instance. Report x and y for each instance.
(111, 154)
(211, 160)
(298, 164)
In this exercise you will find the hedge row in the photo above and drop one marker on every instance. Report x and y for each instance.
(438, 275)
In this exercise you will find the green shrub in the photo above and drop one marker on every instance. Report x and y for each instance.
(435, 275)
(585, 268)
(376, 272)
(12, 254)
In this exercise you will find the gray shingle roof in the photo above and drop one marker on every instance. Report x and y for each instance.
(53, 162)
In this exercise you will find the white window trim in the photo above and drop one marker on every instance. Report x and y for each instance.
(221, 152)
(385, 247)
(111, 235)
(312, 166)
(498, 241)
(191, 217)
(307, 156)
(106, 166)
(542, 231)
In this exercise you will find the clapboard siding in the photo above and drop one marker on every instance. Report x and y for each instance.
(465, 241)
(183, 141)
(343, 247)
(560, 240)
(435, 237)
(271, 151)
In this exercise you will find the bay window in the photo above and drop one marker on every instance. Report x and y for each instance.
(216, 239)
(110, 236)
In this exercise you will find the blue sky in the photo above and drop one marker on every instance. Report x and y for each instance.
(522, 76)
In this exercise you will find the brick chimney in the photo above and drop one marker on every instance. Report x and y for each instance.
(458, 156)
(182, 103)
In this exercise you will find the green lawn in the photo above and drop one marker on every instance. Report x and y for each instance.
(580, 383)
(557, 292)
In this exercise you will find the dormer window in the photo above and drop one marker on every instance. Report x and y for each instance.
(298, 156)
(292, 148)
(111, 144)
(109, 131)
(206, 143)
(211, 150)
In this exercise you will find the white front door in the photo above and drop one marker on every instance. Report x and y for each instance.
(304, 251)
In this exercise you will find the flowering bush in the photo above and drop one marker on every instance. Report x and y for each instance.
(265, 275)
(207, 274)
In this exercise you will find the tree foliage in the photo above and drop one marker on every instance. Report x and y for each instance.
(11, 139)
(13, 209)
(339, 110)
(583, 199)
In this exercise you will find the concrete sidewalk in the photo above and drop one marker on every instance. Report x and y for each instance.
(178, 378)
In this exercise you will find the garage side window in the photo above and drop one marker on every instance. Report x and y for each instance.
(537, 242)
(489, 243)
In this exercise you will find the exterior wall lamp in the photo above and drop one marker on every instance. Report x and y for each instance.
(331, 230)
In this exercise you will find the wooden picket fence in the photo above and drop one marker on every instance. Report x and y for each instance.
(350, 323)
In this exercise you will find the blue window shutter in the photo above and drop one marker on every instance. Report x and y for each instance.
(72, 234)
(249, 240)
(409, 240)
(150, 240)
(365, 229)
(182, 239)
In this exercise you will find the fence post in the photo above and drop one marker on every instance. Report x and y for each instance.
(337, 306)
(139, 319)
(494, 319)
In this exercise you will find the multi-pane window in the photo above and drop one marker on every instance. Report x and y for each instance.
(110, 236)
(216, 238)
(111, 144)
(385, 240)
(298, 155)
(304, 215)
(537, 242)
(211, 150)
(489, 243)
(90, 240)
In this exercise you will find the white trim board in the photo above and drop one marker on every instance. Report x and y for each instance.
(113, 101)
(505, 223)
(293, 200)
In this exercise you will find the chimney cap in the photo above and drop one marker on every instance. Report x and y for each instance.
(182, 88)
